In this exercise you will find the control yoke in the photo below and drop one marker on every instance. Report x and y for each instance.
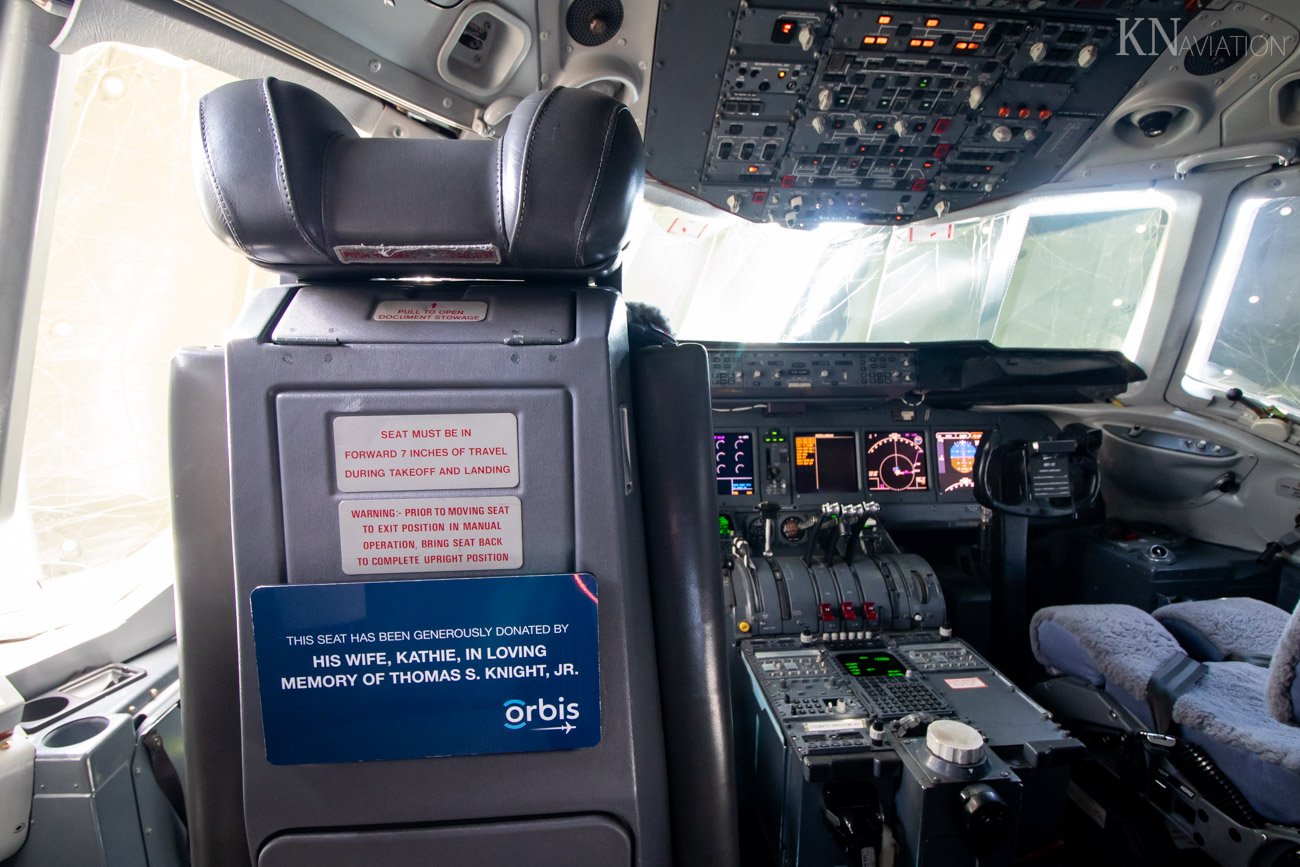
(1054, 478)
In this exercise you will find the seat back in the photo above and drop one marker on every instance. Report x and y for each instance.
(1283, 683)
(440, 587)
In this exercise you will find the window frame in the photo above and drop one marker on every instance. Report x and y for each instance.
(1185, 391)
(28, 174)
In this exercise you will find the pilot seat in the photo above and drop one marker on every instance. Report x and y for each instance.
(459, 623)
(1212, 734)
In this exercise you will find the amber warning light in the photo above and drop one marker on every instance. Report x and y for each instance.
(784, 30)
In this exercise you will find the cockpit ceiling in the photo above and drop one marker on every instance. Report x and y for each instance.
(885, 112)
(463, 64)
(802, 112)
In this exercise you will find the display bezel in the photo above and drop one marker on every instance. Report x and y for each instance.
(756, 475)
(924, 434)
(965, 495)
(897, 671)
(794, 462)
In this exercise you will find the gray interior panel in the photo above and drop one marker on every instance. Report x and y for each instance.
(536, 316)
(1171, 472)
(572, 399)
(548, 843)
(311, 499)
(1259, 512)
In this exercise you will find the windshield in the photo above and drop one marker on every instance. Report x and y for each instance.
(1067, 272)
(1250, 329)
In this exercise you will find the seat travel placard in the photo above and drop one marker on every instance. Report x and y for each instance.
(426, 452)
(425, 668)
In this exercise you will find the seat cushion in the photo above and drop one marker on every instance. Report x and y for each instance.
(1227, 715)
(1102, 644)
(1215, 630)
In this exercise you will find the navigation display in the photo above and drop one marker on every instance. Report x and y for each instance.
(734, 458)
(896, 462)
(955, 457)
(826, 463)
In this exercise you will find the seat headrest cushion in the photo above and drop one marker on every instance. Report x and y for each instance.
(1283, 683)
(285, 178)
(1213, 630)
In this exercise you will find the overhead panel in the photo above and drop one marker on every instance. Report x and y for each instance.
(882, 113)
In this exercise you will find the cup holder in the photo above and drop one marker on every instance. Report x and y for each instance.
(75, 732)
(40, 708)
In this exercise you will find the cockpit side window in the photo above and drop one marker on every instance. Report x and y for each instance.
(132, 274)
(1250, 328)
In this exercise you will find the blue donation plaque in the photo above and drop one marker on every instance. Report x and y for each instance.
(413, 669)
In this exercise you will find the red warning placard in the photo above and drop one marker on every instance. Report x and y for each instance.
(430, 535)
(965, 683)
(426, 452)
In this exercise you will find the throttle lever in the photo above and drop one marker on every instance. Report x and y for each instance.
(858, 512)
(833, 512)
(769, 511)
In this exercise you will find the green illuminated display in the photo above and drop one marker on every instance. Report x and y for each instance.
(877, 664)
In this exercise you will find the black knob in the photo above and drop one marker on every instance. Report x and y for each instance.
(769, 510)
(1234, 394)
(984, 818)
(1156, 123)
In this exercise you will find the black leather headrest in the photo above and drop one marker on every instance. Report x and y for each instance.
(285, 178)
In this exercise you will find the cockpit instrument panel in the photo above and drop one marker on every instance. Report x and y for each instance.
(896, 425)
(882, 113)
(800, 373)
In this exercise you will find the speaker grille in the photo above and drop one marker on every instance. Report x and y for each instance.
(594, 22)
(1218, 51)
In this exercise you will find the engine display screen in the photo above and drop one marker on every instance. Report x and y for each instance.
(896, 462)
(876, 664)
(826, 463)
(734, 458)
(955, 458)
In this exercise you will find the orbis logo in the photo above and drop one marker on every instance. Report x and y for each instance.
(536, 715)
